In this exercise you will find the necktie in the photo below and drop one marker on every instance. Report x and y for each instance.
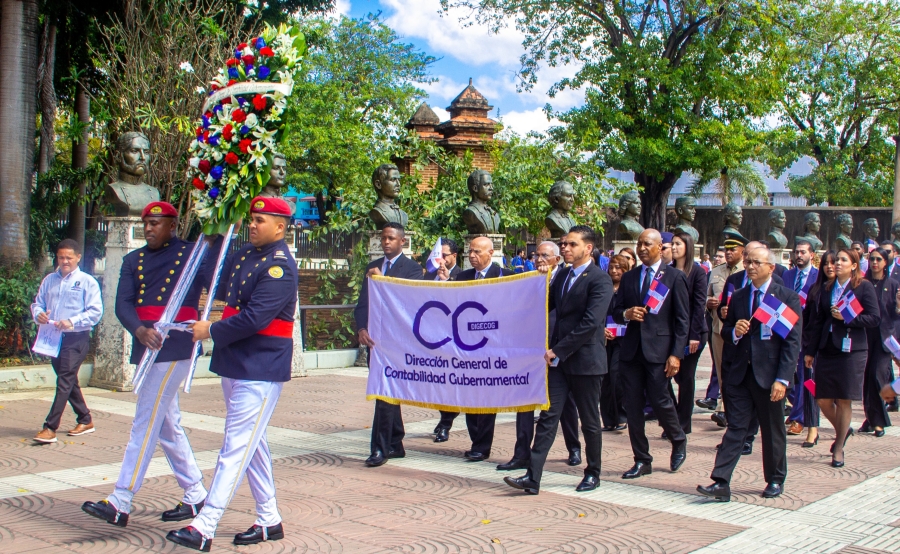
(387, 267)
(478, 276)
(645, 286)
(756, 294)
(798, 284)
(568, 284)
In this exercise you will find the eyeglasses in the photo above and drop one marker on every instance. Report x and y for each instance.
(877, 259)
(757, 263)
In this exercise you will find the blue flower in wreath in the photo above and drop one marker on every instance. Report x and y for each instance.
(233, 73)
(245, 130)
(242, 100)
(218, 108)
(216, 172)
(213, 140)
(214, 192)
(205, 122)
(259, 43)
(263, 72)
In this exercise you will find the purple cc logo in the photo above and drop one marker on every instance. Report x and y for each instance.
(472, 326)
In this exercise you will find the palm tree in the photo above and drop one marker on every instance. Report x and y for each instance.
(18, 88)
(742, 180)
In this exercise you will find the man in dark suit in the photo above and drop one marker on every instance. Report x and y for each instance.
(387, 425)
(652, 349)
(448, 269)
(548, 260)
(580, 294)
(757, 367)
(799, 278)
(481, 426)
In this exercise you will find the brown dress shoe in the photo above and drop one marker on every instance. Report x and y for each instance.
(82, 429)
(795, 428)
(46, 436)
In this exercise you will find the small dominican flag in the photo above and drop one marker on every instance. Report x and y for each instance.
(616, 329)
(776, 315)
(871, 245)
(656, 295)
(849, 307)
(436, 254)
(893, 346)
(728, 292)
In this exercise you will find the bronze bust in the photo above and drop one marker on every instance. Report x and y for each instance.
(734, 215)
(811, 225)
(843, 240)
(561, 198)
(777, 221)
(277, 175)
(686, 211)
(629, 210)
(870, 228)
(481, 219)
(386, 182)
(128, 194)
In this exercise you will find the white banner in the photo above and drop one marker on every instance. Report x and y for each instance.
(472, 346)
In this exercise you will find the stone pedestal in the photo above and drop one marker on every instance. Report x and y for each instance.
(112, 369)
(375, 251)
(499, 242)
(783, 256)
(698, 252)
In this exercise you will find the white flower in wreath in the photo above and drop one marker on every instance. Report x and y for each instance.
(252, 121)
(258, 157)
(194, 162)
(217, 155)
(264, 137)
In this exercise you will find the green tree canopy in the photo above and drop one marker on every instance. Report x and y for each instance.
(842, 101)
(670, 86)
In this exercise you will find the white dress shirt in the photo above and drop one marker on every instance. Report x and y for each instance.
(392, 261)
(75, 297)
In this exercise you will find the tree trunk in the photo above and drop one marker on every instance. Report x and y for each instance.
(895, 216)
(654, 198)
(80, 161)
(18, 90)
(47, 97)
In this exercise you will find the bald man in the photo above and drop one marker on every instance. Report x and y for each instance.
(652, 348)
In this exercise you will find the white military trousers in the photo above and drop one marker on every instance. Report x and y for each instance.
(249, 405)
(158, 419)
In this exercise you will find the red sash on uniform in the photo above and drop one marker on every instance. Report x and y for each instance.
(278, 327)
(153, 313)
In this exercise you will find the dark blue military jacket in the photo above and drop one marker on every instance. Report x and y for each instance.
(253, 340)
(145, 284)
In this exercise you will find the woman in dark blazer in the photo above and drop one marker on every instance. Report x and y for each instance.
(811, 411)
(612, 395)
(878, 365)
(842, 347)
(698, 333)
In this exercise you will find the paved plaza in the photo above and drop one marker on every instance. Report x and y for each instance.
(434, 500)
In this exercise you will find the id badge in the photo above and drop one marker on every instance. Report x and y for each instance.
(765, 332)
(845, 344)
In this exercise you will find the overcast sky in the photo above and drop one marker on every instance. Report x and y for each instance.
(491, 60)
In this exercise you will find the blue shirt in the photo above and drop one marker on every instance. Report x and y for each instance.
(575, 274)
(75, 297)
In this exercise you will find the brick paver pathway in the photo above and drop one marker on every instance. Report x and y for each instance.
(434, 500)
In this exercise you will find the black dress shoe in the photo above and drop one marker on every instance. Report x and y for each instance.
(621, 427)
(523, 483)
(719, 418)
(473, 456)
(679, 453)
(437, 429)
(513, 464)
(664, 436)
(574, 457)
(608, 428)
(893, 405)
(720, 491)
(105, 511)
(589, 483)
(864, 428)
(190, 538)
(747, 449)
(835, 463)
(650, 416)
(638, 469)
(182, 512)
(706, 403)
(441, 435)
(393, 454)
(258, 534)
(376, 459)
(773, 490)
(879, 434)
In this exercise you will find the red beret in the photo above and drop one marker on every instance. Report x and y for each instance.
(159, 209)
(270, 206)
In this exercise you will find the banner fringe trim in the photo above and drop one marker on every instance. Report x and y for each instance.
(445, 408)
(445, 284)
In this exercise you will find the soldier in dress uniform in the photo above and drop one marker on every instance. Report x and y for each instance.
(252, 353)
(148, 276)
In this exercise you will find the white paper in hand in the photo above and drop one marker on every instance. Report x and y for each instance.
(48, 340)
